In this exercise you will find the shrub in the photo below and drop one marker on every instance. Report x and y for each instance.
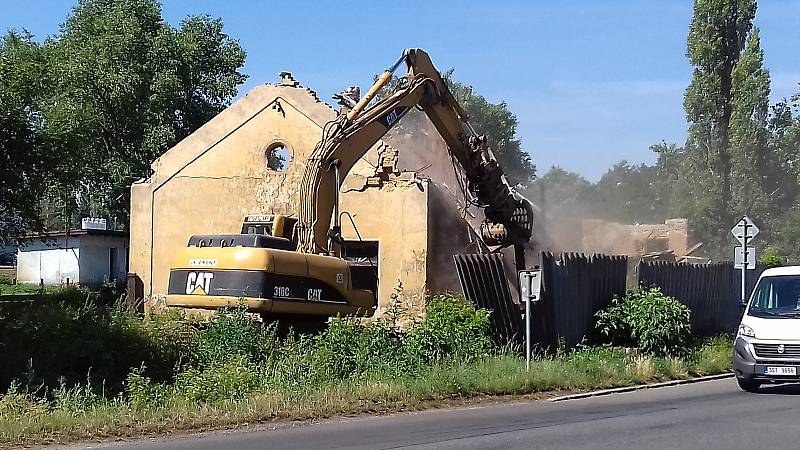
(647, 319)
(163, 343)
(76, 399)
(452, 329)
(142, 392)
(350, 349)
(71, 334)
(233, 332)
(169, 358)
(15, 404)
(770, 258)
(230, 379)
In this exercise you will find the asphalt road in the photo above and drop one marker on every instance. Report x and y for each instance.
(707, 415)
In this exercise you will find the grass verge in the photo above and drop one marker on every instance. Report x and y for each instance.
(25, 419)
(11, 289)
(98, 371)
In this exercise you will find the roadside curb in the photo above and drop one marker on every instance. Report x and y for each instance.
(639, 387)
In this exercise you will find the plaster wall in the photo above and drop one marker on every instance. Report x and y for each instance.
(396, 215)
(79, 259)
(48, 261)
(636, 239)
(95, 259)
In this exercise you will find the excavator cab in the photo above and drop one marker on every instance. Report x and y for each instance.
(257, 231)
(279, 225)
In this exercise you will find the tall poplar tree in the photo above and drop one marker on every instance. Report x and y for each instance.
(751, 157)
(717, 36)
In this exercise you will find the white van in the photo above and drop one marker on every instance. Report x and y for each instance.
(767, 347)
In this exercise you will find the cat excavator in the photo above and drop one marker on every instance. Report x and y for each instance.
(295, 267)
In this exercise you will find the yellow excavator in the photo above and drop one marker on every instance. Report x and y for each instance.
(294, 268)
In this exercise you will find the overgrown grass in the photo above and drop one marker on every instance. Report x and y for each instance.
(102, 371)
(8, 289)
(7, 276)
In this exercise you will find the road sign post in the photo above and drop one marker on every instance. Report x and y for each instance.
(744, 231)
(530, 283)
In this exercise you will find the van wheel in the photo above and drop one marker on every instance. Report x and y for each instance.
(748, 385)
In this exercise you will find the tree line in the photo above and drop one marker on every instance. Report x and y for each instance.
(84, 113)
(741, 157)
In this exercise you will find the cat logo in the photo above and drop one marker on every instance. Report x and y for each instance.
(393, 116)
(340, 278)
(314, 295)
(198, 282)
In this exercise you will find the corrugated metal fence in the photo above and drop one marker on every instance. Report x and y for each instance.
(711, 291)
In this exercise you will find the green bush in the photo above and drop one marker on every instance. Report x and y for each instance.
(83, 351)
(452, 329)
(6, 278)
(770, 258)
(142, 392)
(63, 339)
(230, 379)
(78, 398)
(647, 319)
(350, 349)
(167, 371)
(234, 332)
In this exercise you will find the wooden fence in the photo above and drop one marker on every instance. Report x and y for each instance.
(483, 282)
(575, 286)
(711, 291)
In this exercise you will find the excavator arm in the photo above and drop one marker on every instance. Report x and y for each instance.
(509, 216)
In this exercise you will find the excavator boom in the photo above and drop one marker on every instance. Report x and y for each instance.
(509, 216)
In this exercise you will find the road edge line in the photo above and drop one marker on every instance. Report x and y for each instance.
(640, 387)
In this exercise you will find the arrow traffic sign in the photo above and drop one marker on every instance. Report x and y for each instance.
(744, 229)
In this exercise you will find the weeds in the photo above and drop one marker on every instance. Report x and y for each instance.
(134, 374)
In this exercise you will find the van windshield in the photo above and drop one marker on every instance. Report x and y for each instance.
(776, 297)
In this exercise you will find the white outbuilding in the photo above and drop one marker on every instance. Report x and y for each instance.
(88, 257)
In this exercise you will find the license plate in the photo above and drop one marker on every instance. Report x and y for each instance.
(773, 370)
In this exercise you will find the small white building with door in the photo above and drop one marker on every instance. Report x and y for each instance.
(88, 257)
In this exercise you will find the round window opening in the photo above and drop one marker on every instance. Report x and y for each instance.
(278, 157)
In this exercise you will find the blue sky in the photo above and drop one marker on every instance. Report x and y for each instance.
(591, 82)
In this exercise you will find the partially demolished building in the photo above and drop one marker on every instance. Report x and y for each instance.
(403, 195)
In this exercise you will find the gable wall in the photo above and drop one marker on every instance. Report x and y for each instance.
(211, 180)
